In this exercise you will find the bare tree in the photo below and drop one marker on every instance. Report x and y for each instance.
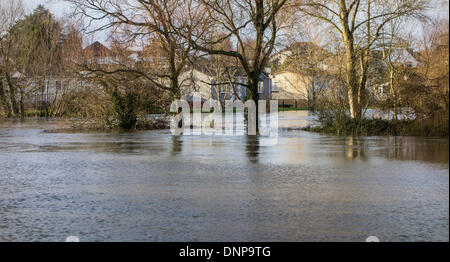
(393, 48)
(224, 71)
(359, 23)
(158, 21)
(11, 12)
(434, 69)
(39, 38)
(310, 62)
(241, 21)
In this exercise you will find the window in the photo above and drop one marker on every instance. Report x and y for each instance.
(275, 86)
(260, 86)
(242, 91)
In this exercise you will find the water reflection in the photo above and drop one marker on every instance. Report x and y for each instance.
(177, 145)
(355, 149)
(150, 185)
(252, 148)
(432, 150)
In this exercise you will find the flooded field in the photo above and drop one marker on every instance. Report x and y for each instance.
(152, 186)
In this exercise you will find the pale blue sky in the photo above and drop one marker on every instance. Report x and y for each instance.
(57, 7)
(61, 8)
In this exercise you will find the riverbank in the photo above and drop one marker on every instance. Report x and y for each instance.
(290, 120)
(156, 122)
(380, 127)
(284, 109)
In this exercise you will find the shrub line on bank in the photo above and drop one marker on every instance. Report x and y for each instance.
(379, 127)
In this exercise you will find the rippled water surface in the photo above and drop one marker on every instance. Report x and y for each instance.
(151, 186)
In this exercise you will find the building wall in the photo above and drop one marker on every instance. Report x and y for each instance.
(195, 81)
(402, 55)
(290, 86)
(265, 89)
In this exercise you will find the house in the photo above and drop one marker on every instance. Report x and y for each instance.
(198, 77)
(297, 50)
(265, 85)
(195, 79)
(53, 86)
(405, 56)
(97, 53)
(302, 72)
(378, 85)
(290, 89)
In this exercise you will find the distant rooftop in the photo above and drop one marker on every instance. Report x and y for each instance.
(97, 49)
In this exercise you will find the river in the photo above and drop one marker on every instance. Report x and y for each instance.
(152, 186)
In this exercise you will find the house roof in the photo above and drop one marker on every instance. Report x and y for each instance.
(264, 75)
(201, 64)
(302, 48)
(97, 49)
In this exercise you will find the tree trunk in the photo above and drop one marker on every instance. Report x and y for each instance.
(364, 67)
(175, 88)
(253, 83)
(352, 86)
(3, 101)
(12, 95)
(394, 95)
(312, 101)
(42, 106)
(21, 100)
(350, 61)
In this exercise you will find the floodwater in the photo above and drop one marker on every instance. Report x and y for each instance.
(152, 186)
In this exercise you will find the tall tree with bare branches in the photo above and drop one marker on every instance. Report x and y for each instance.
(359, 23)
(242, 21)
(147, 21)
(11, 12)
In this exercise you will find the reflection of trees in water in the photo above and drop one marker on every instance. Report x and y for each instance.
(119, 147)
(355, 148)
(252, 148)
(177, 145)
(396, 148)
(413, 148)
(351, 148)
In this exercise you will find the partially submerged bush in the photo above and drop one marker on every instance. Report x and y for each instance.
(125, 108)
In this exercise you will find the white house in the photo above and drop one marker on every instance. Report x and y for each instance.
(404, 56)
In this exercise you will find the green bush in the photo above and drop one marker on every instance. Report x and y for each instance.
(125, 108)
